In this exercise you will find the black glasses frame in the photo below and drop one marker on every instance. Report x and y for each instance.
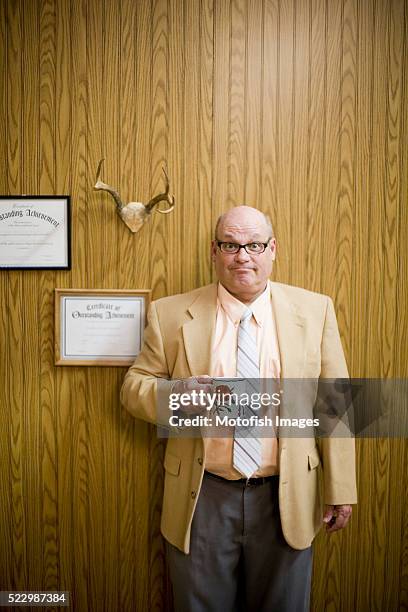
(242, 246)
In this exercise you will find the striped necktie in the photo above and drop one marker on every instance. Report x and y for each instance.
(247, 447)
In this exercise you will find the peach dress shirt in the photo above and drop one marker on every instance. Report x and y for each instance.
(219, 451)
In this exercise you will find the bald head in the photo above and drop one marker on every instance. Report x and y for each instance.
(246, 215)
(244, 273)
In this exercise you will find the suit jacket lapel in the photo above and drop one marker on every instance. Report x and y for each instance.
(290, 329)
(198, 332)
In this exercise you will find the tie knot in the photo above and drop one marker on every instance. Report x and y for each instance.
(246, 315)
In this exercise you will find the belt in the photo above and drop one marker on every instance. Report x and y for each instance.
(249, 482)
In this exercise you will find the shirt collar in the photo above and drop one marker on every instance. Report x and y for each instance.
(235, 309)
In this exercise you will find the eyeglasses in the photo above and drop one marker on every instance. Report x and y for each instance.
(252, 248)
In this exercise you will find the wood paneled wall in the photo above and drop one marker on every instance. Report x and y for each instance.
(297, 107)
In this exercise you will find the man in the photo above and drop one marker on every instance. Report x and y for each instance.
(235, 538)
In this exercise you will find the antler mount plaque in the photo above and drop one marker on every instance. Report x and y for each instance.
(135, 214)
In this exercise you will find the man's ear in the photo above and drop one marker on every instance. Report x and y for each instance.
(272, 246)
(213, 249)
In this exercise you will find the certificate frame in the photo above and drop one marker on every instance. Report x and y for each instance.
(100, 310)
(35, 232)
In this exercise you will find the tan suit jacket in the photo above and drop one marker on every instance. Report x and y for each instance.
(177, 344)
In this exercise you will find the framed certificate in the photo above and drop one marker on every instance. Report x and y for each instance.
(99, 327)
(35, 232)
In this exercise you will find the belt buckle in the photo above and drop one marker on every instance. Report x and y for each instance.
(255, 481)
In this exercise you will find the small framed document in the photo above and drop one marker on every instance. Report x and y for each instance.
(99, 327)
(35, 232)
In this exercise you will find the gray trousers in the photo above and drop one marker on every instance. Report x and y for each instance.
(239, 559)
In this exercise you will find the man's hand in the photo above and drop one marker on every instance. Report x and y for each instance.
(336, 517)
(195, 383)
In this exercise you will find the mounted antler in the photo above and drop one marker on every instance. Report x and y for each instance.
(135, 214)
(162, 197)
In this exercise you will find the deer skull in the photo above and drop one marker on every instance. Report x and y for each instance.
(135, 214)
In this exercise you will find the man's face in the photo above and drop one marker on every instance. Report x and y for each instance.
(244, 275)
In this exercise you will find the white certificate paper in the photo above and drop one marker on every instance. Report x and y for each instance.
(101, 328)
(34, 232)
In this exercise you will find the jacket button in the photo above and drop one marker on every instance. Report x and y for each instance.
(193, 494)
(200, 460)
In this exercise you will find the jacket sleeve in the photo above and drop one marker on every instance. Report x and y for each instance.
(338, 449)
(146, 383)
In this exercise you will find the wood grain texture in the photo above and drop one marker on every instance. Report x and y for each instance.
(140, 276)
(333, 59)
(300, 168)
(400, 340)
(48, 408)
(176, 136)
(269, 118)
(110, 438)
(205, 144)
(221, 96)
(131, 531)
(360, 266)
(344, 223)
(101, 212)
(77, 399)
(253, 93)
(6, 570)
(14, 379)
(237, 103)
(64, 394)
(285, 101)
(316, 151)
(30, 286)
(158, 277)
(299, 108)
(376, 272)
(191, 114)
